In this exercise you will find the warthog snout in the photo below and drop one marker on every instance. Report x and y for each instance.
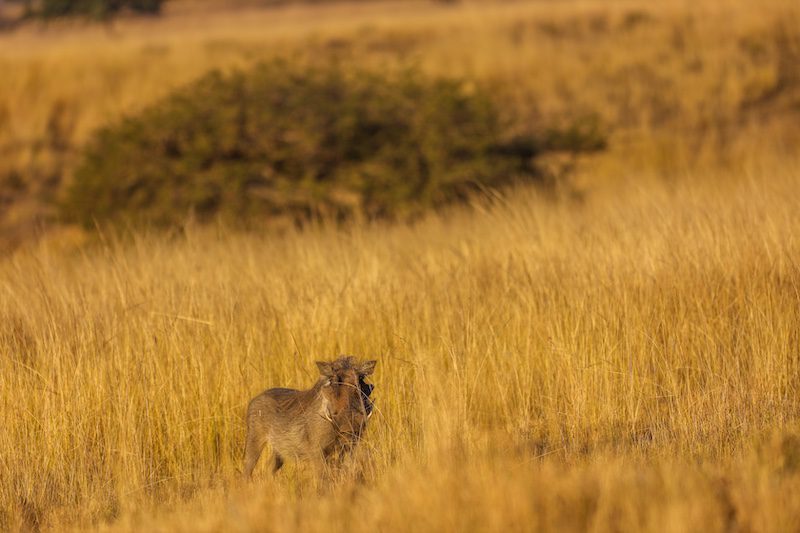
(324, 421)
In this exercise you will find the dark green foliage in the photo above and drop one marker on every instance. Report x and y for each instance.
(584, 135)
(95, 8)
(298, 142)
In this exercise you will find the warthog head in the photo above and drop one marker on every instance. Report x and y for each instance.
(347, 393)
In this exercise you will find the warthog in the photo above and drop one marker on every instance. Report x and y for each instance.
(317, 424)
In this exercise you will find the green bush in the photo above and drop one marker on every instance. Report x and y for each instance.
(283, 140)
(95, 8)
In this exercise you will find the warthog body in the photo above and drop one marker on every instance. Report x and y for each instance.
(315, 424)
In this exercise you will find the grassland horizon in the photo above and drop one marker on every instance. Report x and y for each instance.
(675, 86)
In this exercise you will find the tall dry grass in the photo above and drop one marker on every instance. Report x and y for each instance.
(626, 362)
(629, 362)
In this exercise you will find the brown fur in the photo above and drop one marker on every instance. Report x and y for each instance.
(314, 425)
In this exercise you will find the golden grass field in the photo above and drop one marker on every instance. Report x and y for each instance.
(626, 360)
(630, 363)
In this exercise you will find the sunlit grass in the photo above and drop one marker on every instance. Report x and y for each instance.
(626, 362)
(622, 360)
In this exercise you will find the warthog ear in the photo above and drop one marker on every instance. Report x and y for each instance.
(325, 368)
(366, 368)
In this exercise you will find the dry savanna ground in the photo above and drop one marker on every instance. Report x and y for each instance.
(625, 359)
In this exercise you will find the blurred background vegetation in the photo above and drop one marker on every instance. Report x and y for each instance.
(397, 107)
(92, 9)
(321, 140)
(95, 8)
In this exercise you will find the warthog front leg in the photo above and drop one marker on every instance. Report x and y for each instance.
(277, 462)
(252, 451)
